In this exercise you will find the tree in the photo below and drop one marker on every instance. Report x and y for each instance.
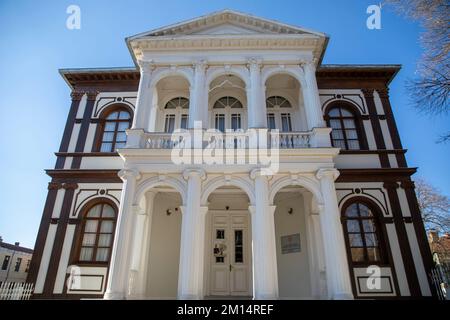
(434, 207)
(430, 90)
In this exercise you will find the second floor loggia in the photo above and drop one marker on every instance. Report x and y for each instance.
(281, 100)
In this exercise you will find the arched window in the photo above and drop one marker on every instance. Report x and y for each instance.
(363, 235)
(227, 102)
(176, 114)
(228, 114)
(346, 131)
(97, 232)
(113, 130)
(278, 114)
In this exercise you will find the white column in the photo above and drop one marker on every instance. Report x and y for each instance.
(198, 107)
(256, 97)
(120, 256)
(313, 107)
(265, 275)
(143, 106)
(338, 275)
(190, 275)
(139, 263)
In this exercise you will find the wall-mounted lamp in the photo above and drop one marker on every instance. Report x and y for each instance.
(291, 211)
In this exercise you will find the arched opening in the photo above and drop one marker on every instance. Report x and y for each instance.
(284, 103)
(300, 263)
(172, 99)
(160, 254)
(228, 253)
(227, 103)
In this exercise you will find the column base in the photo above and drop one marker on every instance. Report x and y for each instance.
(265, 296)
(343, 296)
(114, 296)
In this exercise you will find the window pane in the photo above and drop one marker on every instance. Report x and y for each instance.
(349, 123)
(286, 122)
(346, 113)
(106, 147)
(121, 136)
(113, 115)
(271, 121)
(339, 144)
(334, 112)
(86, 254)
(364, 211)
(94, 212)
(355, 240)
(91, 226)
(107, 227)
(124, 115)
(235, 121)
(108, 136)
(337, 134)
(89, 239)
(351, 134)
(108, 211)
(110, 126)
(353, 226)
(123, 125)
(352, 210)
(104, 240)
(120, 145)
(371, 240)
(220, 234)
(238, 246)
(184, 121)
(170, 123)
(357, 254)
(220, 122)
(102, 254)
(373, 254)
(368, 226)
(353, 144)
(335, 124)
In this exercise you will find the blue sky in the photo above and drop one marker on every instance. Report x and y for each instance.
(35, 100)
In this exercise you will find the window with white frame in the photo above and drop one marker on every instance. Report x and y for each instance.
(228, 113)
(279, 112)
(176, 114)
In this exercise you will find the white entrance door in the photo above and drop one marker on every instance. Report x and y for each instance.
(230, 272)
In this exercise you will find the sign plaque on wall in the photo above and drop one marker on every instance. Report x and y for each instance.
(290, 243)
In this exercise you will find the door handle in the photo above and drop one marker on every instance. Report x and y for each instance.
(231, 267)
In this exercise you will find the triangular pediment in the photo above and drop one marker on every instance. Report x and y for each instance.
(226, 22)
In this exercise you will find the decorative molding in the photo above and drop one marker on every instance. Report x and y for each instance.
(70, 185)
(76, 95)
(54, 186)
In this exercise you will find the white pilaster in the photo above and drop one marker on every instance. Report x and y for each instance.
(138, 268)
(198, 107)
(143, 106)
(257, 113)
(190, 275)
(265, 275)
(338, 275)
(120, 256)
(313, 107)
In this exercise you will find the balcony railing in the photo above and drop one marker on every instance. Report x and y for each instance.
(235, 139)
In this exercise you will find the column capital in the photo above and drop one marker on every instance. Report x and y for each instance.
(368, 92)
(76, 95)
(70, 186)
(260, 172)
(308, 65)
(383, 92)
(92, 95)
(254, 63)
(137, 210)
(327, 172)
(54, 186)
(200, 65)
(407, 185)
(390, 185)
(146, 66)
(192, 172)
(126, 174)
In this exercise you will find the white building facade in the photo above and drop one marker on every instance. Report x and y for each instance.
(125, 219)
